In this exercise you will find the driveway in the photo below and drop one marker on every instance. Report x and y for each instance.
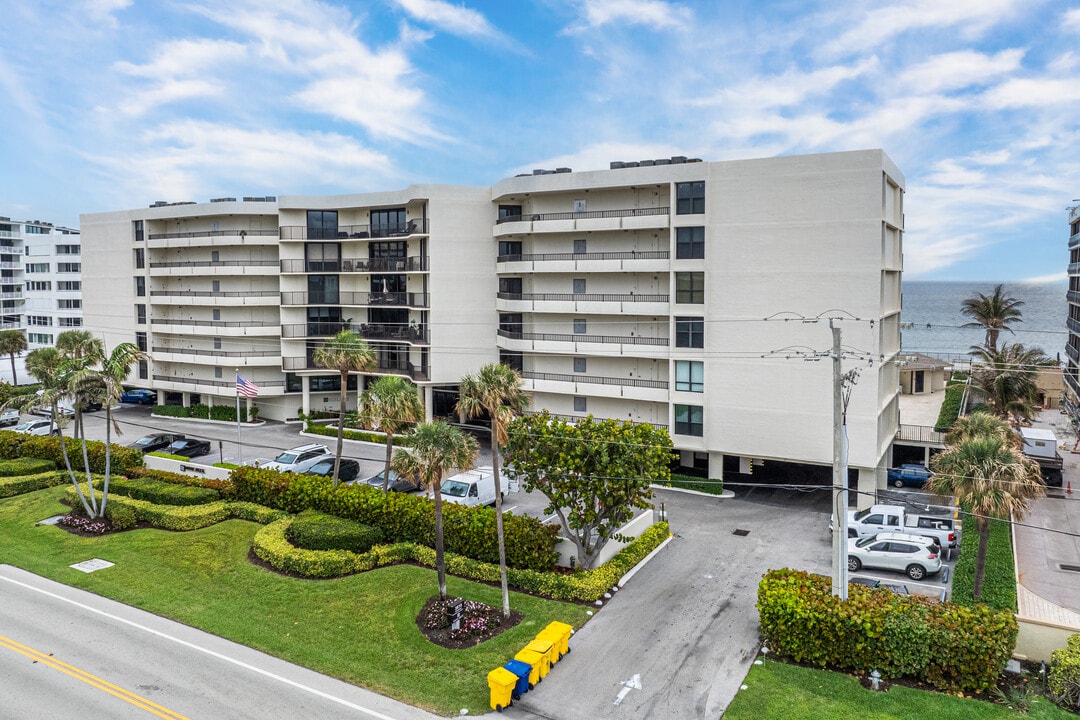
(687, 623)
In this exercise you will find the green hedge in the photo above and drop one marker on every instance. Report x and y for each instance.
(46, 447)
(999, 581)
(361, 435)
(947, 646)
(10, 486)
(690, 482)
(1063, 680)
(950, 407)
(25, 466)
(469, 531)
(271, 544)
(225, 413)
(313, 530)
(187, 517)
(161, 492)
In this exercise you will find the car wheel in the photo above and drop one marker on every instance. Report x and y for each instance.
(853, 564)
(852, 534)
(916, 572)
(898, 483)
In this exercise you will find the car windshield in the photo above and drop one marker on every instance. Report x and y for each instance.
(863, 542)
(455, 488)
(286, 458)
(145, 440)
(322, 468)
(862, 513)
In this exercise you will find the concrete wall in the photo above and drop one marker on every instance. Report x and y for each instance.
(634, 529)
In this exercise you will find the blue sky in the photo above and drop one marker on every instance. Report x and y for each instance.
(113, 104)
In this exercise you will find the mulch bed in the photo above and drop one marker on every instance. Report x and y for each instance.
(479, 622)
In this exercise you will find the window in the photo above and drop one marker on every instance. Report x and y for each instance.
(144, 370)
(689, 332)
(140, 341)
(579, 326)
(322, 224)
(69, 304)
(579, 404)
(138, 230)
(69, 322)
(513, 360)
(40, 338)
(509, 212)
(323, 289)
(690, 198)
(510, 322)
(579, 286)
(69, 267)
(140, 314)
(215, 286)
(689, 243)
(579, 246)
(217, 343)
(69, 285)
(690, 288)
(217, 372)
(67, 249)
(510, 248)
(215, 256)
(39, 320)
(510, 286)
(387, 222)
(217, 314)
(34, 230)
(323, 257)
(579, 365)
(39, 285)
(37, 267)
(688, 420)
(140, 286)
(690, 375)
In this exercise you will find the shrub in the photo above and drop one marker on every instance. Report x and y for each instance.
(361, 435)
(120, 516)
(999, 581)
(313, 530)
(25, 466)
(950, 407)
(10, 486)
(689, 482)
(204, 412)
(161, 492)
(44, 447)
(170, 411)
(1063, 680)
(945, 645)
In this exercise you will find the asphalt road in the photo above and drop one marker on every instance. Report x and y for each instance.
(65, 653)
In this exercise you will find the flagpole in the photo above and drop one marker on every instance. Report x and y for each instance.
(239, 447)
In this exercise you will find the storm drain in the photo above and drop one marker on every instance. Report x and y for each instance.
(1070, 568)
(744, 533)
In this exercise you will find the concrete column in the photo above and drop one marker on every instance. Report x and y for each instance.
(185, 399)
(716, 466)
(867, 486)
(428, 398)
(305, 391)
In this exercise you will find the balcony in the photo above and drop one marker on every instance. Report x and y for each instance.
(920, 434)
(575, 418)
(613, 345)
(404, 367)
(212, 267)
(357, 265)
(222, 238)
(601, 303)
(624, 261)
(1073, 296)
(231, 384)
(1073, 384)
(224, 328)
(632, 388)
(6, 265)
(1073, 325)
(1073, 353)
(412, 334)
(359, 299)
(219, 298)
(246, 358)
(587, 221)
(418, 226)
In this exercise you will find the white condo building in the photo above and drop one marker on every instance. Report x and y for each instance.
(691, 295)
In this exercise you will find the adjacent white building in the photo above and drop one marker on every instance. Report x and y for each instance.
(691, 295)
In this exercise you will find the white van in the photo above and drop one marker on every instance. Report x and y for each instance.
(475, 487)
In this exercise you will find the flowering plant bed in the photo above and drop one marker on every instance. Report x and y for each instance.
(479, 622)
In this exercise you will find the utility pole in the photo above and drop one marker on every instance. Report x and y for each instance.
(839, 539)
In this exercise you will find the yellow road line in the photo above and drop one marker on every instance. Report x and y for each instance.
(91, 680)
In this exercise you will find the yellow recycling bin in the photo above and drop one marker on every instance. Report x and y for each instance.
(501, 681)
(534, 660)
(559, 635)
(545, 648)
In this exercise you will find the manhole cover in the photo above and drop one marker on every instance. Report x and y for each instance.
(741, 533)
(1070, 568)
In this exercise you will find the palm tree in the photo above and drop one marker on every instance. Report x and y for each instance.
(12, 342)
(390, 405)
(436, 448)
(980, 424)
(991, 479)
(495, 390)
(80, 350)
(992, 312)
(1007, 376)
(345, 352)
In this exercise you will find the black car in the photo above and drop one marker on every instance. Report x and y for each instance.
(398, 483)
(155, 442)
(347, 473)
(189, 447)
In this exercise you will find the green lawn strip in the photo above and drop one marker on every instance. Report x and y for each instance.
(781, 691)
(999, 581)
(360, 628)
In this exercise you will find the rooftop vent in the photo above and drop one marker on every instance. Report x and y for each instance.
(647, 163)
(662, 161)
(563, 170)
(222, 200)
(678, 159)
(630, 164)
(160, 203)
(617, 165)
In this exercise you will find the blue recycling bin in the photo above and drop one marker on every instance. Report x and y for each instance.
(522, 670)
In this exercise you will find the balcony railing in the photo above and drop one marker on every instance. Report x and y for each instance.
(920, 433)
(215, 383)
(417, 226)
(397, 332)
(213, 233)
(214, 263)
(404, 367)
(1073, 296)
(11, 265)
(628, 212)
(213, 293)
(596, 380)
(217, 353)
(622, 255)
(583, 338)
(401, 299)
(357, 265)
(215, 323)
(584, 297)
(1073, 325)
(575, 418)
(1073, 383)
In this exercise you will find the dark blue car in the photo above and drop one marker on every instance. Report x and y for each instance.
(911, 474)
(138, 396)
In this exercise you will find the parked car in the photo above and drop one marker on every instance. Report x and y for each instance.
(8, 417)
(37, 427)
(914, 555)
(138, 396)
(346, 473)
(299, 459)
(155, 441)
(910, 474)
(189, 447)
(398, 483)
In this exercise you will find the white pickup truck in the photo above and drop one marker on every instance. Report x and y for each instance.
(894, 518)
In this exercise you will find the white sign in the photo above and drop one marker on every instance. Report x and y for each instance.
(89, 566)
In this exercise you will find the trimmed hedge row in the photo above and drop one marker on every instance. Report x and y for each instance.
(187, 517)
(950, 406)
(999, 581)
(361, 435)
(225, 413)
(1063, 681)
(313, 530)
(271, 544)
(46, 447)
(468, 531)
(948, 646)
(10, 486)
(692, 482)
(160, 492)
(25, 466)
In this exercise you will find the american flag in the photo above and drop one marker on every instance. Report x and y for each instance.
(246, 388)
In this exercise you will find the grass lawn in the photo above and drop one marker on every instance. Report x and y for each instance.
(781, 691)
(360, 628)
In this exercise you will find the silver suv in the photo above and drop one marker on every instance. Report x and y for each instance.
(299, 459)
(911, 554)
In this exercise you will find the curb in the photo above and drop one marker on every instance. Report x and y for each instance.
(725, 495)
(205, 421)
(632, 571)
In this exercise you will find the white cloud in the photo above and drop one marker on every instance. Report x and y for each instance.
(102, 11)
(657, 14)
(1032, 92)
(180, 70)
(1050, 279)
(955, 70)
(791, 88)
(454, 19)
(1071, 19)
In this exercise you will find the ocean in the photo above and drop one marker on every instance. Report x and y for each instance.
(932, 319)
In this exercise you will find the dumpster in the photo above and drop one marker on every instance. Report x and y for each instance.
(545, 648)
(533, 659)
(501, 681)
(559, 635)
(522, 670)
